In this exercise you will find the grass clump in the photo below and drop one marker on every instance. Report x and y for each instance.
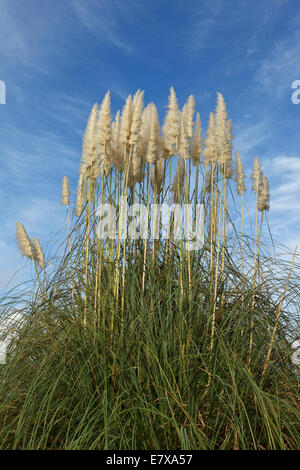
(142, 342)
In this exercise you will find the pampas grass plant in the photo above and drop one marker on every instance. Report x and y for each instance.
(144, 343)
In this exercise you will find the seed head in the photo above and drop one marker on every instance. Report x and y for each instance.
(223, 134)
(89, 140)
(209, 152)
(65, 191)
(240, 175)
(104, 132)
(256, 175)
(171, 127)
(23, 240)
(197, 141)
(38, 253)
(126, 119)
(80, 195)
(263, 199)
(145, 131)
(153, 149)
(115, 147)
(188, 112)
(136, 122)
(183, 142)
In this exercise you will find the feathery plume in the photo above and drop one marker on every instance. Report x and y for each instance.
(104, 133)
(38, 252)
(115, 146)
(65, 191)
(171, 124)
(136, 118)
(145, 131)
(263, 199)
(126, 119)
(227, 153)
(79, 195)
(183, 149)
(223, 137)
(256, 175)
(220, 122)
(154, 137)
(197, 141)
(188, 112)
(240, 175)
(23, 240)
(137, 97)
(89, 141)
(209, 152)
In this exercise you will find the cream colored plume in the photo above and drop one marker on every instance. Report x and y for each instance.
(263, 199)
(256, 175)
(23, 240)
(38, 252)
(145, 131)
(240, 175)
(227, 153)
(171, 127)
(197, 141)
(183, 149)
(115, 148)
(126, 119)
(153, 149)
(65, 191)
(136, 122)
(223, 128)
(209, 152)
(79, 196)
(89, 141)
(104, 132)
(137, 96)
(188, 113)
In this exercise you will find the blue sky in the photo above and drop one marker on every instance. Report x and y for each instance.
(58, 57)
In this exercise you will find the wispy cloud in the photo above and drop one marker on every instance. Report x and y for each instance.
(43, 157)
(103, 20)
(284, 173)
(248, 137)
(281, 65)
(222, 20)
(28, 36)
(202, 20)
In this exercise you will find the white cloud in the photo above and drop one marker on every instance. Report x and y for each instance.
(248, 137)
(103, 20)
(202, 21)
(28, 34)
(281, 65)
(284, 174)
